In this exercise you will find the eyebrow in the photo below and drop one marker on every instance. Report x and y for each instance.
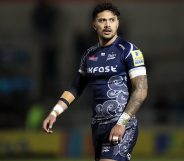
(106, 18)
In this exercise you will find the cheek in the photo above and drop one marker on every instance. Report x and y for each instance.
(99, 28)
(116, 26)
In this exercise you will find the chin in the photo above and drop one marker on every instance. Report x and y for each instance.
(107, 37)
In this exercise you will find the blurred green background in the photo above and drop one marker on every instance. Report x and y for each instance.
(41, 43)
(65, 159)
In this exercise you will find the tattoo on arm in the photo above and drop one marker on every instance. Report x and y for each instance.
(138, 95)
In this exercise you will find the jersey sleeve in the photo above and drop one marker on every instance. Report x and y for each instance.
(134, 61)
(82, 67)
(78, 85)
(80, 81)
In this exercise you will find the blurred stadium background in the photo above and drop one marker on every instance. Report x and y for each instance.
(41, 43)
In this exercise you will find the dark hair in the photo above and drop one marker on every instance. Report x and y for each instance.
(105, 6)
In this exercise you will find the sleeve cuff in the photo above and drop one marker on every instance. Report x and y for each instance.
(137, 72)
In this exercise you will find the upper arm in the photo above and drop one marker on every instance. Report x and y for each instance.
(134, 61)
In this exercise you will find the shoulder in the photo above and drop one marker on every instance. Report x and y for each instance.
(125, 46)
(90, 50)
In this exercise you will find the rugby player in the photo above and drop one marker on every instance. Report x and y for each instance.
(116, 71)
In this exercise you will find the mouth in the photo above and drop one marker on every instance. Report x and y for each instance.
(107, 31)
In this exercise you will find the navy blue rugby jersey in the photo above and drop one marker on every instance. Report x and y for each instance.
(109, 70)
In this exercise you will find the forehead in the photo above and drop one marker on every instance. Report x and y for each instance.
(105, 14)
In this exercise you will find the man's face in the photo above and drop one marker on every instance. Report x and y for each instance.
(106, 24)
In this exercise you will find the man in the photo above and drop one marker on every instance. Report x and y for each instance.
(115, 70)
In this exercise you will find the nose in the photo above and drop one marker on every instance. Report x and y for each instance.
(107, 24)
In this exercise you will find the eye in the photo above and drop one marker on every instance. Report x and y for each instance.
(112, 19)
(101, 20)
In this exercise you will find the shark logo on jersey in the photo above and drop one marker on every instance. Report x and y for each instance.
(111, 56)
(105, 69)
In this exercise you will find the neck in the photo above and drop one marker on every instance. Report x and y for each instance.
(106, 42)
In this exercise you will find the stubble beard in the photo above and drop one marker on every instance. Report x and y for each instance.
(106, 39)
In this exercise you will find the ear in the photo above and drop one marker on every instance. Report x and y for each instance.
(94, 27)
(118, 24)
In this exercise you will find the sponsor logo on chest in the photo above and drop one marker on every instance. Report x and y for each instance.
(105, 69)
